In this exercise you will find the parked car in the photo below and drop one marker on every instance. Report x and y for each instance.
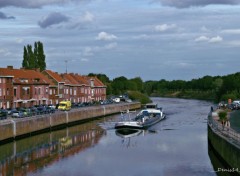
(34, 111)
(3, 114)
(9, 111)
(17, 114)
(50, 109)
(27, 112)
(42, 110)
(52, 106)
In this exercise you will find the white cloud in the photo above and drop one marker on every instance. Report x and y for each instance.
(84, 60)
(192, 3)
(185, 65)
(204, 29)
(88, 51)
(216, 39)
(231, 31)
(203, 38)
(141, 37)
(235, 43)
(88, 17)
(19, 40)
(106, 36)
(4, 52)
(110, 45)
(164, 27)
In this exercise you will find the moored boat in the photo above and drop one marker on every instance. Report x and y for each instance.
(145, 118)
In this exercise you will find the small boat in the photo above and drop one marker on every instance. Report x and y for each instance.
(145, 118)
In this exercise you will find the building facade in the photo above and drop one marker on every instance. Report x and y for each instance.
(26, 88)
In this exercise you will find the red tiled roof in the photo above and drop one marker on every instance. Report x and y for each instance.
(97, 82)
(54, 75)
(80, 79)
(24, 74)
(69, 79)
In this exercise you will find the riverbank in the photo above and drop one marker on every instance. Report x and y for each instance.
(186, 94)
(18, 128)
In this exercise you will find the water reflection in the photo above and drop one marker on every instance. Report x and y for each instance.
(30, 154)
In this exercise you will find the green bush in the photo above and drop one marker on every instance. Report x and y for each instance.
(136, 95)
(222, 116)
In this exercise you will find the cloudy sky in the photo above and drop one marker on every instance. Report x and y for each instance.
(153, 39)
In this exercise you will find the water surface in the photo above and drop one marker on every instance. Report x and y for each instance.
(177, 145)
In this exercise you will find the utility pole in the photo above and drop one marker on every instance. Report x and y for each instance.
(66, 65)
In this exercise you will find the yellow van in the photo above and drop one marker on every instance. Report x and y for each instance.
(65, 105)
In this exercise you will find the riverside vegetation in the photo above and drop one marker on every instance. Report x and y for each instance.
(212, 88)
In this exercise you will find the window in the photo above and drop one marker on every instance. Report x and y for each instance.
(39, 91)
(28, 91)
(46, 90)
(15, 92)
(7, 91)
(75, 92)
(50, 92)
(0, 92)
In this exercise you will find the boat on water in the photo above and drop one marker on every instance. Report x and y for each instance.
(144, 119)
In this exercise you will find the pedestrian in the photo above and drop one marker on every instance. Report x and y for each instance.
(227, 124)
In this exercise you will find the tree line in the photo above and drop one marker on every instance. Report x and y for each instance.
(215, 88)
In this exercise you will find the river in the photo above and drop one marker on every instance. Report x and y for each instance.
(177, 145)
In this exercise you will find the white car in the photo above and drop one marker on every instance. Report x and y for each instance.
(116, 100)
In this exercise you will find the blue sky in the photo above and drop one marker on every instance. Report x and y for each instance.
(153, 39)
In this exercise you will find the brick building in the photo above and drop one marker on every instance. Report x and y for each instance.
(25, 88)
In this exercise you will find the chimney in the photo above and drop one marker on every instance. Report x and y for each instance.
(92, 82)
(10, 67)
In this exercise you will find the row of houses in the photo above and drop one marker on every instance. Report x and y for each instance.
(26, 88)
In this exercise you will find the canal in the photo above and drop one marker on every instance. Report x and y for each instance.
(177, 145)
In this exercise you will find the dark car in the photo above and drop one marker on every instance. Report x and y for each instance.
(42, 110)
(50, 109)
(34, 111)
(3, 114)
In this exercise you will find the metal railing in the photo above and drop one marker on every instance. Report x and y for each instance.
(226, 131)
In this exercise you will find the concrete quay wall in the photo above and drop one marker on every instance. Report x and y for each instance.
(14, 128)
(225, 142)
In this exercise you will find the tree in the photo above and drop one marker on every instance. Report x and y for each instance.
(138, 83)
(25, 61)
(40, 56)
(34, 58)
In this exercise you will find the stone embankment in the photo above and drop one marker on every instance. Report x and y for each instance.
(225, 141)
(11, 129)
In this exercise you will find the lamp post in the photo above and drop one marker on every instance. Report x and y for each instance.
(66, 65)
